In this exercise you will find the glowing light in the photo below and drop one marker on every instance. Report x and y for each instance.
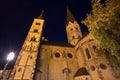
(10, 56)
(1, 71)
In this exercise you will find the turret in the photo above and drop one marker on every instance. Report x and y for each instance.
(73, 30)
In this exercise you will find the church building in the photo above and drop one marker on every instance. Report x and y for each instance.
(40, 59)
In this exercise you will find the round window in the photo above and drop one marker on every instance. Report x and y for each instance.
(57, 55)
(70, 55)
(92, 68)
(102, 66)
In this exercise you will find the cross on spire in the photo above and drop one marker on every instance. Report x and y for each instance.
(41, 15)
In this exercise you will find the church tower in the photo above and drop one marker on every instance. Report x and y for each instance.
(46, 60)
(24, 68)
(73, 30)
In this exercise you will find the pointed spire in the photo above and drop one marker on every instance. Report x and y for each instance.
(70, 17)
(41, 15)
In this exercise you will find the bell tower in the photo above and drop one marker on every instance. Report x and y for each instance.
(24, 68)
(73, 30)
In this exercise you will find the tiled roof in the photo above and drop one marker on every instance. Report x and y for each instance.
(62, 44)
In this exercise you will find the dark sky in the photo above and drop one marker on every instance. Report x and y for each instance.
(16, 17)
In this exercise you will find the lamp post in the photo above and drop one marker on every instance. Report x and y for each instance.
(10, 57)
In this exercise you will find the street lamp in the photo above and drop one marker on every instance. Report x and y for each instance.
(10, 57)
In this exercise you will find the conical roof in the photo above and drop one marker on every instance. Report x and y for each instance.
(81, 72)
(70, 17)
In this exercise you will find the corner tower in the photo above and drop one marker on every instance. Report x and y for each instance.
(24, 68)
(73, 30)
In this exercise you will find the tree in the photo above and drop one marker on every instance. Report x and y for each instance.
(103, 23)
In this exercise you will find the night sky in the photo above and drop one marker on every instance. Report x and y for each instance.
(16, 17)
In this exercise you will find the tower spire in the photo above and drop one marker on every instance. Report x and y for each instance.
(41, 15)
(73, 29)
(70, 17)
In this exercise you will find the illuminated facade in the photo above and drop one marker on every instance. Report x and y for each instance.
(44, 60)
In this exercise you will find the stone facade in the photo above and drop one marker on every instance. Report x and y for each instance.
(76, 60)
(57, 60)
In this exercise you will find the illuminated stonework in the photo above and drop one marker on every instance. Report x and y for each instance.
(40, 59)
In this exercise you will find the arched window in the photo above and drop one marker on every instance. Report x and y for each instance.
(35, 30)
(66, 73)
(92, 68)
(71, 29)
(86, 78)
(66, 70)
(37, 23)
(94, 47)
(73, 37)
(31, 57)
(33, 39)
(88, 53)
(76, 28)
(19, 70)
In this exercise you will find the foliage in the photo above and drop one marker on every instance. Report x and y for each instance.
(103, 23)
